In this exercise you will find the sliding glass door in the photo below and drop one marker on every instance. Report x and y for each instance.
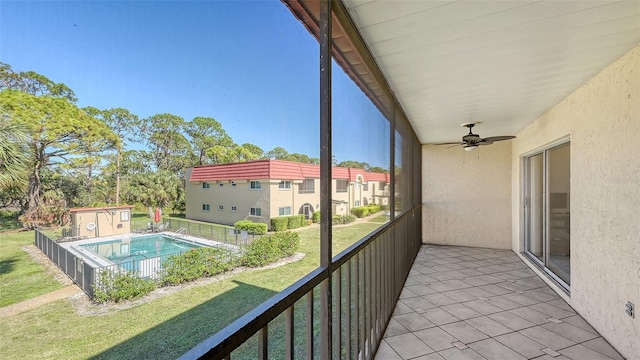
(547, 211)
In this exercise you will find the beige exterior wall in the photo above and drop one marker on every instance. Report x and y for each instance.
(602, 119)
(270, 198)
(282, 198)
(342, 204)
(312, 199)
(106, 222)
(467, 195)
(379, 192)
(240, 196)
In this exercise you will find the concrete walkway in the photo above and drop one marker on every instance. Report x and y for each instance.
(33, 303)
(462, 303)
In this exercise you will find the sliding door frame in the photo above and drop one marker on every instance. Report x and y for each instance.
(526, 212)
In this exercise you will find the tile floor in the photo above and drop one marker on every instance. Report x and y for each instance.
(462, 303)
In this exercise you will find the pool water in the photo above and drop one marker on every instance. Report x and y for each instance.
(139, 248)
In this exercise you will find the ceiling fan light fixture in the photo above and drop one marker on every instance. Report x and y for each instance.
(470, 147)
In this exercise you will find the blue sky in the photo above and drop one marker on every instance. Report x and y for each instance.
(249, 64)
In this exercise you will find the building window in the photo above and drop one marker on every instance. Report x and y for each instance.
(220, 184)
(206, 207)
(365, 186)
(284, 185)
(206, 185)
(220, 207)
(233, 184)
(284, 211)
(307, 186)
(255, 185)
(124, 216)
(234, 209)
(357, 203)
(255, 212)
(341, 185)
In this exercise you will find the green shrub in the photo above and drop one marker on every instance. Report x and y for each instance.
(308, 222)
(342, 219)
(270, 248)
(366, 210)
(198, 263)
(373, 208)
(295, 221)
(315, 217)
(279, 223)
(385, 207)
(288, 243)
(251, 227)
(121, 285)
(360, 212)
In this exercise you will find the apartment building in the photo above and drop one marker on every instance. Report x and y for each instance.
(263, 189)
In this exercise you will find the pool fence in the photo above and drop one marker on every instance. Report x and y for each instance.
(86, 274)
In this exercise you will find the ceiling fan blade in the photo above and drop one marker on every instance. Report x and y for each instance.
(484, 142)
(498, 138)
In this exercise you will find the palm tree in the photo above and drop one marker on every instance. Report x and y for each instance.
(13, 154)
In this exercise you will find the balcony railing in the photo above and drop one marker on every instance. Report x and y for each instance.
(366, 279)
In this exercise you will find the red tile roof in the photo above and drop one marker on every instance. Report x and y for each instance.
(276, 169)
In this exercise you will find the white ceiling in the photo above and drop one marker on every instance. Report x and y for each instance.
(501, 63)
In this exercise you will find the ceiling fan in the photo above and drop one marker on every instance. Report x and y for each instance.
(471, 141)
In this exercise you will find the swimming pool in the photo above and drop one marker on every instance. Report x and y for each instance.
(129, 249)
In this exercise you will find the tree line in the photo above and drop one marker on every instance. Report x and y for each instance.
(55, 155)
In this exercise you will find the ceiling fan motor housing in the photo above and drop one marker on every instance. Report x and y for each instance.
(471, 138)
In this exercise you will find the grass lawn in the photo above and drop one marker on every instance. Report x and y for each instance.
(379, 219)
(21, 278)
(164, 328)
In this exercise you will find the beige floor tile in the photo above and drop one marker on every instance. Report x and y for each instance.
(531, 315)
(580, 352)
(547, 338)
(417, 303)
(603, 347)
(459, 295)
(408, 346)
(413, 321)
(512, 321)
(482, 306)
(464, 332)
(488, 326)
(460, 311)
(386, 352)
(439, 299)
(436, 338)
(494, 350)
(552, 311)
(457, 354)
(395, 328)
(503, 303)
(521, 344)
(570, 332)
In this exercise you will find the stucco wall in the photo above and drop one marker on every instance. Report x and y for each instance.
(240, 196)
(602, 119)
(466, 199)
(106, 221)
